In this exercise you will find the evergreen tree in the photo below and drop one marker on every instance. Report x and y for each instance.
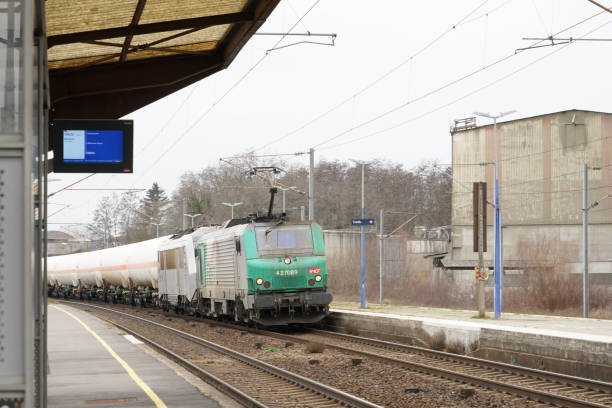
(153, 209)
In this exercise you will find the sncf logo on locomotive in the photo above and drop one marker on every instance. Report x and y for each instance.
(314, 270)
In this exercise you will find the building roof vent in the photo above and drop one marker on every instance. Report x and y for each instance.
(463, 124)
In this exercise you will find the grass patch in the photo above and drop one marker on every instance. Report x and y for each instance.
(455, 347)
(351, 329)
(437, 341)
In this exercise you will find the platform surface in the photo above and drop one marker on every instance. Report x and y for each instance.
(598, 330)
(84, 373)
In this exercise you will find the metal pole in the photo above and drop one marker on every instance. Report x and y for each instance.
(232, 212)
(184, 212)
(501, 256)
(481, 227)
(381, 255)
(192, 221)
(362, 235)
(585, 234)
(283, 201)
(311, 186)
(8, 114)
(157, 229)
(497, 269)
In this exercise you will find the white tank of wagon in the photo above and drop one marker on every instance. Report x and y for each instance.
(135, 263)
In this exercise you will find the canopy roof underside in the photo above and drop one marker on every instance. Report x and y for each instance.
(107, 58)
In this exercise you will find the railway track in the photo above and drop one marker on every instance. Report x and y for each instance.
(536, 385)
(251, 382)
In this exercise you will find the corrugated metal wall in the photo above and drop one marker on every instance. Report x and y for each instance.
(541, 168)
(541, 181)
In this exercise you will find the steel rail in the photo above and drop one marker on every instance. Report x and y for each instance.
(530, 393)
(570, 380)
(210, 378)
(330, 392)
(518, 390)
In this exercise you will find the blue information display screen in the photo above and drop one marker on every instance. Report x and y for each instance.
(92, 146)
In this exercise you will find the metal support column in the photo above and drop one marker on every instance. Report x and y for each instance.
(311, 186)
(22, 331)
(585, 238)
(497, 277)
(498, 257)
(363, 298)
(381, 255)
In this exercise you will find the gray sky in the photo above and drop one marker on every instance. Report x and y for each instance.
(292, 86)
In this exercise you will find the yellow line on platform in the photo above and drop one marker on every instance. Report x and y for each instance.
(150, 393)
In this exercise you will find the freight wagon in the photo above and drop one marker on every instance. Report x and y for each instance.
(265, 272)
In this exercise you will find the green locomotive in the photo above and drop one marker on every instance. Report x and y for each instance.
(271, 273)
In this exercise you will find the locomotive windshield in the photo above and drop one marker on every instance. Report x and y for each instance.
(282, 237)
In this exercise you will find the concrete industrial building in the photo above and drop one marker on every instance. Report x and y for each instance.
(541, 162)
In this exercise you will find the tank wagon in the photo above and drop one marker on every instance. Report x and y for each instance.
(126, 273)
(249, 270)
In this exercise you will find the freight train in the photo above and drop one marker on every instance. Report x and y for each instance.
(255, 270)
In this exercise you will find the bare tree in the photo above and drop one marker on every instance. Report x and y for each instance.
(106, 225)
(424, 189)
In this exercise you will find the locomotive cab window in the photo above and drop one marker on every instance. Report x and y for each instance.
(278, 239)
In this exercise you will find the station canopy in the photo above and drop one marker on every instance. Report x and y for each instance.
(107, 58)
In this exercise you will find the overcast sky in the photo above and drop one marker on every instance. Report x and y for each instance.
(292, 86)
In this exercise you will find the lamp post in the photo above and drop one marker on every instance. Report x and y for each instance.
(156, 228)
(232, 205)
(362, 164)
(192, 216)
(586, 207)
(283, 189)
(150, 221)
(499, 262)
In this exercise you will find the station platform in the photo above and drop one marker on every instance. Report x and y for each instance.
(91, 363)
(569, 345)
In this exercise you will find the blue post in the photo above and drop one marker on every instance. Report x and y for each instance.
(497, 267)
(362, 258)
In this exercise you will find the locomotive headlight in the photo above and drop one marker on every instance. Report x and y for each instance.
(318, 278)
(287, 261)
(259, 281)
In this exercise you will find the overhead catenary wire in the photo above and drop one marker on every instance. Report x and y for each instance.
(608, 9)
(538, 153)
(453, 82)
(570, 173)
(227, 92)
(370, 85)
(505, 186)
(211, 107)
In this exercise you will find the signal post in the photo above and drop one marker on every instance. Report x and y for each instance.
(480, 240)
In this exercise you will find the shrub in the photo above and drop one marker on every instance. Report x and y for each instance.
(437, 341)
